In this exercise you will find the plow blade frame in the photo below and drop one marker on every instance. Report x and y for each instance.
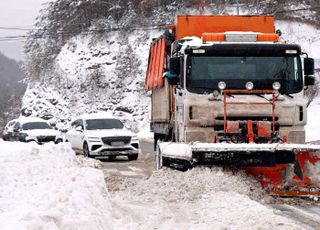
(282, 169)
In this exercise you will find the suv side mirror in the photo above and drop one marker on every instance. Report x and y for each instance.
(16, 129)
(308, 66)
(79, 129)
(308, 80)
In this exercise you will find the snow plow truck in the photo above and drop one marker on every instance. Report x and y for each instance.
(227, 91)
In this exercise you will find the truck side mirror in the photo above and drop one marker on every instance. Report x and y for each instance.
(174, 70)
(174, 66)
(308, 66)
(308, 80)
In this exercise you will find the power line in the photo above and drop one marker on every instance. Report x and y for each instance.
(76, 32)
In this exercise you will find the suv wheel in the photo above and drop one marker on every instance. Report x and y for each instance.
(112, 157)
(133, 157)
(86, 151)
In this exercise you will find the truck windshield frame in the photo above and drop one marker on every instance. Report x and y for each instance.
(203, 73)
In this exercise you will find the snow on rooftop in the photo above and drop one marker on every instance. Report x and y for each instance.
(46, 187)
(23, 119)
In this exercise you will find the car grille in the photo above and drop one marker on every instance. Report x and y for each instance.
(114, 141)
(46, 138)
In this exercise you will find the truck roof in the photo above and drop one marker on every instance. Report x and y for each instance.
(196, 25)
(244, 49)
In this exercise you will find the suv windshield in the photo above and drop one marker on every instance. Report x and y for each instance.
(205, 72)
(35, 125)
(93, 124)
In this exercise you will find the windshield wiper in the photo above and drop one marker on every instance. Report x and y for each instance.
(203, 87)
(288, 95)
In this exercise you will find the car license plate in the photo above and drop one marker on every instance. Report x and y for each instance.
(117, 143)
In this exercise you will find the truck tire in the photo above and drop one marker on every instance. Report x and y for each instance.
(158, 156)
(133, 157)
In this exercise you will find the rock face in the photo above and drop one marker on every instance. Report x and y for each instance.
(98, 58)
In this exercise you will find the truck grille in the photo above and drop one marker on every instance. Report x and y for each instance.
(116, 141)
(43, 139)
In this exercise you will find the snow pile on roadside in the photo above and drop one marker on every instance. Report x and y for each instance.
(173, 185)
(46, 187)
(201, 198)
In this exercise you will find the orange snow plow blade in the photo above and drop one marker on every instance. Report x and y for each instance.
(282, 169)
(281, 180)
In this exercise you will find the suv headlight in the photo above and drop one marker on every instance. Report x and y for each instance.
(134, 138)
(94, 139)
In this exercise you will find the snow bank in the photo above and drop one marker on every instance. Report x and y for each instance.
(46, 187)
(201, 198)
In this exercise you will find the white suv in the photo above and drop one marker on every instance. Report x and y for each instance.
(100, 134)
(27, 129)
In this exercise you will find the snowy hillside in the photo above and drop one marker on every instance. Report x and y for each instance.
(116, 65)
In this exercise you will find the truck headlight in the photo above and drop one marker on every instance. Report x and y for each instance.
(222, 85)
(276, 85)
(249, 85)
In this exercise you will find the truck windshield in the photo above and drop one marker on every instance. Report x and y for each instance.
(94, 124)
(204, 73)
